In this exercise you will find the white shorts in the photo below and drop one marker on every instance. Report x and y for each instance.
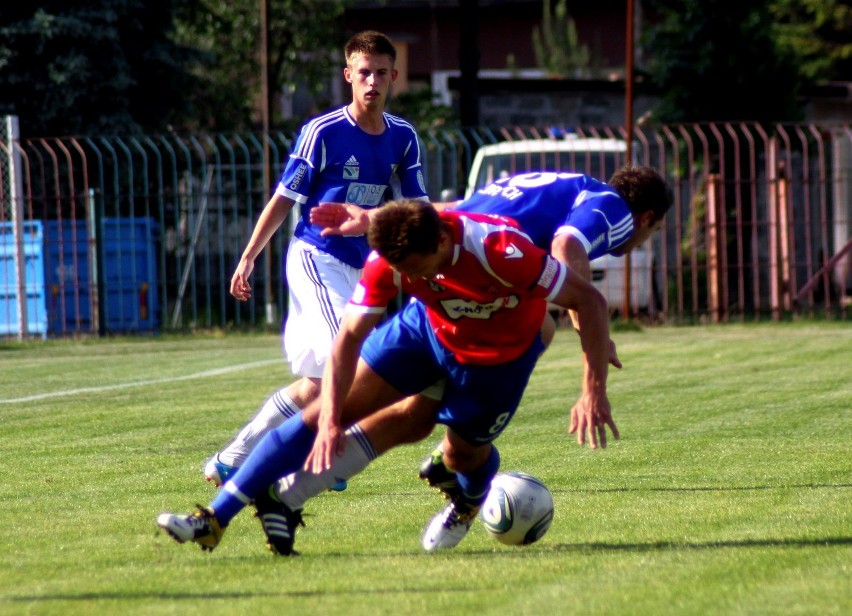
(319, 288)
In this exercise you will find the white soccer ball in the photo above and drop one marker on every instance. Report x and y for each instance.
(518, 509)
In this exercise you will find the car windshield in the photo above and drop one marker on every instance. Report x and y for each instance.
(599, 158)
(597, 164)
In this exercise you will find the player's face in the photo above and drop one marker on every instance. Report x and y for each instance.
(645, 229)
(371, 78)
(418, 265)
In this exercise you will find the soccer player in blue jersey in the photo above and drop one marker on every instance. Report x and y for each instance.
(355, 154)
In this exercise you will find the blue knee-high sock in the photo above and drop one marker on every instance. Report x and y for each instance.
(475, 484)
(281, 452)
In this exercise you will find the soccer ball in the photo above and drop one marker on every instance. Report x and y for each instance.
(518, 509)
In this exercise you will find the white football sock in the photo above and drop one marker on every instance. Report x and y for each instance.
(295, 489)
(276, 409)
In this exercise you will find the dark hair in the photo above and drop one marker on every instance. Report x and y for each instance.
(369, 43)
(401, 228)
(643, 188)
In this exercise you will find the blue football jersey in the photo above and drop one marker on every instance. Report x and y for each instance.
(333, 159)
(547, 203)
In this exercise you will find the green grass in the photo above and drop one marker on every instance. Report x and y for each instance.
(730, 491)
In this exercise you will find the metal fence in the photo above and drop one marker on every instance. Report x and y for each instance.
(141, 234)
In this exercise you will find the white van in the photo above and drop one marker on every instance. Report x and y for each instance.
(598, 157)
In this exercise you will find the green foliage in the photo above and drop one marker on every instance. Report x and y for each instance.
(728, 492)
(419, 108)
(93, 67)
(819, 32)
(718, 61)
(305, 43)
(128, 66)
(556, 43)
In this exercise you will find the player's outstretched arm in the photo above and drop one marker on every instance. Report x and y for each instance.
(338, 376)
(592, 413)
(340, 218)
(349, 219)
(569, 250)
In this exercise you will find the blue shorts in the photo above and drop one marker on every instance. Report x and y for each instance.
(478, 401)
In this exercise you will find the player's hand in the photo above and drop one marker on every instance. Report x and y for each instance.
(613, 355)
(329, 443)
(340, 219)
(240, 287)
(590, 417)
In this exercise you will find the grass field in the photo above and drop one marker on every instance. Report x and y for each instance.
(730, 491)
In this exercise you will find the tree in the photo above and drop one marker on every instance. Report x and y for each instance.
(419, 107)
(305, 47)
(714, 60)
(95, 67)
(818, 31)
(556, 43)
(129, 66)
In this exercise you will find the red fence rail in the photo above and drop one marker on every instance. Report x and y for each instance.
(759, 229)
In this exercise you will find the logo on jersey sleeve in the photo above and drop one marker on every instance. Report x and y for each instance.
(301, 170)
(458, 308)
(513, 252)
(548, 276)
(352, 169)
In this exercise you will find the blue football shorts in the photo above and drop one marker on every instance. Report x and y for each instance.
(478, 401)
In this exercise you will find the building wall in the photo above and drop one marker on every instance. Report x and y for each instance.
(431, 31)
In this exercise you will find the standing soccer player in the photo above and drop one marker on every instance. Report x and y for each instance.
(484, 288)
(355, 154)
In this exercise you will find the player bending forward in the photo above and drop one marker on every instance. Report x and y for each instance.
(484, 289)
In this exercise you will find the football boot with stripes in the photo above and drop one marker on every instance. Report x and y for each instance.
(279, 523)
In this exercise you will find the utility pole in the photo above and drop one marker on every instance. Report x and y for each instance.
(628, 124)
(264, 114)
(469, 62)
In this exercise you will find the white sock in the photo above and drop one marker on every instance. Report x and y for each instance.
(276, 409)
(295, 489)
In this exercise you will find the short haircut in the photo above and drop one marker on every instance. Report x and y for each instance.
(644, 190)
(369, 43)
(401, 228)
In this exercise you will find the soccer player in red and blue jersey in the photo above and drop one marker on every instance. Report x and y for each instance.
(483, 287)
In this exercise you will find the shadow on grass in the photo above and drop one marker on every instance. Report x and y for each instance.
(814, 486)
(653, 546)
(248, 594)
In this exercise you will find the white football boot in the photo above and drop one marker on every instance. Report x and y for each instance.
(449, 526)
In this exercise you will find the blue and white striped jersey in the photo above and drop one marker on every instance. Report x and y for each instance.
(546, 204)
(334, 160)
